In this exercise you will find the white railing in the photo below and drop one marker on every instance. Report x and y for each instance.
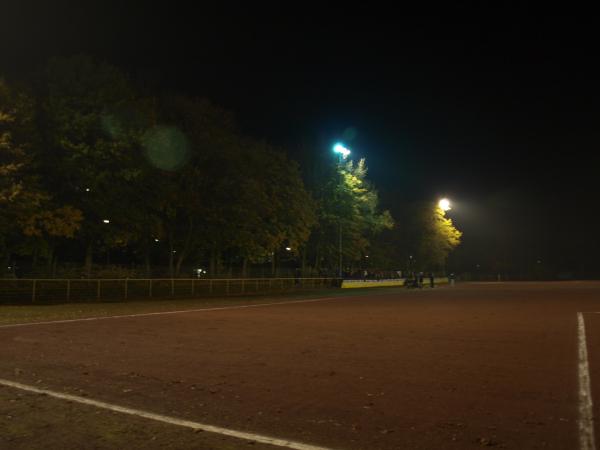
(72, 290)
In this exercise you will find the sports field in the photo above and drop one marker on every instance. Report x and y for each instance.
(505, 365)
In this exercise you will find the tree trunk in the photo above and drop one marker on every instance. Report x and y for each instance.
(272, 264)
(5, 261)
(50, 262)
(303, 268)
(230, 267)
(54, 264)
(89, 256)
(185, 248)
(180, 259)
(147, 260)
(244, 267)
(212, 269)
(171, 256)
(34, 259)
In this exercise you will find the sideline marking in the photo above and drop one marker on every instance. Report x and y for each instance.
(586, 414)
(86, 319)
(166, 419)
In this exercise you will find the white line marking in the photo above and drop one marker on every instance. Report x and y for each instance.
(166, 419)
(87, 319)
(586, 414)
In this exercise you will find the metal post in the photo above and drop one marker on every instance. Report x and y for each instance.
(68, 290)
(33, 291)
(340, 263)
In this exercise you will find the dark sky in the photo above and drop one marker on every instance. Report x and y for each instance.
(500, 116)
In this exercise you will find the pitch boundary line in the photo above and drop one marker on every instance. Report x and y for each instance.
(166, 419)
(158, 313)
(586, 413)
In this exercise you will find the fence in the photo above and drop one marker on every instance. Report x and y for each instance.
(19, 291)
(104, 271)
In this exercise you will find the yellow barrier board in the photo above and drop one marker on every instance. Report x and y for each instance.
(353, 284)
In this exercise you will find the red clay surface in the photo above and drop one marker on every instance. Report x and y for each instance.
(463, 367)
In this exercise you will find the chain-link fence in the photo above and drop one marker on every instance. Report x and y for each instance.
(34, 291)
(24, 270)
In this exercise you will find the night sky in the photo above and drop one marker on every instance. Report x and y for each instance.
(501, 118)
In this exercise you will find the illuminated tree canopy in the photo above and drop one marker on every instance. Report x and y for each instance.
(94, 166)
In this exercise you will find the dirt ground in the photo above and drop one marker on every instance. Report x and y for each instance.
(470, 366)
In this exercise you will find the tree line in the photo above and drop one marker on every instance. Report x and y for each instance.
(91, 164)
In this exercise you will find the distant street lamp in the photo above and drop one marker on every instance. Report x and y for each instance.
(106, 221)
(444, 204)
(343, 151)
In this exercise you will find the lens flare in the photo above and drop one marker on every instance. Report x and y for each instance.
(166, 148)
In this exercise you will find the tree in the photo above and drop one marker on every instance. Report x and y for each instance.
(229, 197)
(168, 174)
(347, 205)
(30, 219)
(273, 208)
(188, 148)
(438, 237)
(92, 156)
(364, 221)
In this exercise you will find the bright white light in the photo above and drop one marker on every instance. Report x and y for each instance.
(288, 249)
(444, 204)
(106, 221)
(339, 148)
(156, 240)
(87, 189)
